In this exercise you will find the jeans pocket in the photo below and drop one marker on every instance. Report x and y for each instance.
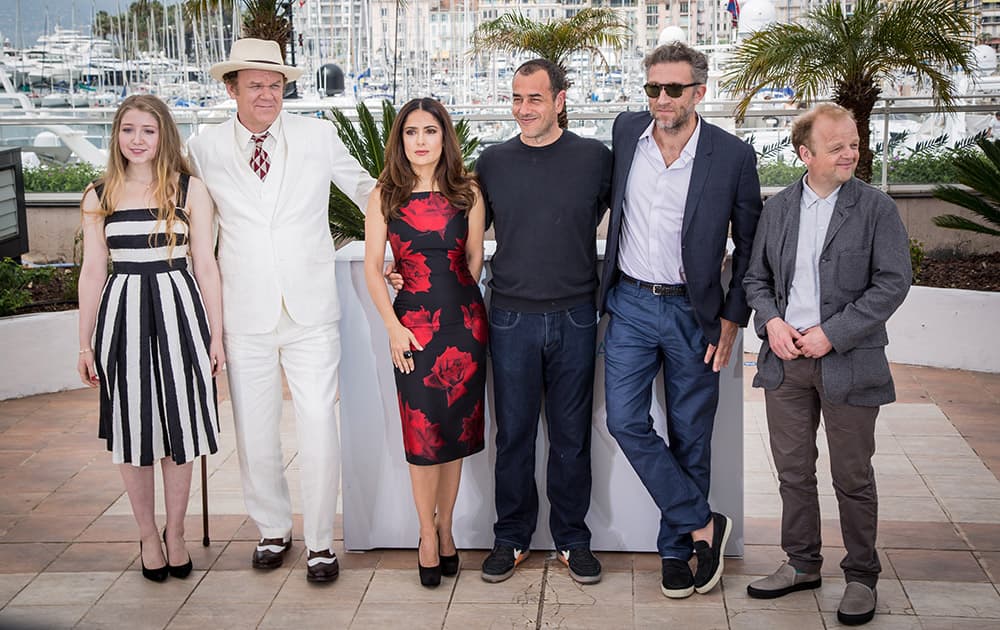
(502, 319)
(582, 316)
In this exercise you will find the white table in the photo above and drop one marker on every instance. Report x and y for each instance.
(378, 505)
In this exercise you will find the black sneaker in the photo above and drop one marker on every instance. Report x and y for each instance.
(499, 565)
(710, 562)
(678, 582)
(584, 567)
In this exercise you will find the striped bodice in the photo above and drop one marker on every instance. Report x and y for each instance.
(137, 242)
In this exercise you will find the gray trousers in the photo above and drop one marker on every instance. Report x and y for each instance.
(793, 415)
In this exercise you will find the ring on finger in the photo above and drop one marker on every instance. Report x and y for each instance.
(407, 354)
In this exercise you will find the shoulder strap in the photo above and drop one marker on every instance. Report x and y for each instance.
(182, 192)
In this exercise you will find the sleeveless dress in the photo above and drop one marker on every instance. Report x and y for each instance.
(441, 402)
(158, 396)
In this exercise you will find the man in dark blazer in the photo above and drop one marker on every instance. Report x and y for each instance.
(830, 264)
(678, 185)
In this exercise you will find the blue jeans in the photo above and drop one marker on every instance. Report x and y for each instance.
(644, 332)
(535, 354)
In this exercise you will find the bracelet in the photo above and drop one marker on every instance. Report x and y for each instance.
(86, 350)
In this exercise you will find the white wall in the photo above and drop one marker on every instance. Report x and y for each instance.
(38, 354)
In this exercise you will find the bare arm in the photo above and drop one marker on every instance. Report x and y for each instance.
(93, 275)
(474, 242)
(206, 270)
(401, 339)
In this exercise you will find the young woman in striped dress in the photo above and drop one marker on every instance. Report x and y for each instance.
(150, 335)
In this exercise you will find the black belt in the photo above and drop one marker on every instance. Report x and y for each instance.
(657, 289)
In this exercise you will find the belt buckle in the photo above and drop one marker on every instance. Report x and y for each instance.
(659, 289)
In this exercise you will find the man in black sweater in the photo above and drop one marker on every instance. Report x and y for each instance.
(546, 190)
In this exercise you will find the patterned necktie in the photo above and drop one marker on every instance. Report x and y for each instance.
(260, 162)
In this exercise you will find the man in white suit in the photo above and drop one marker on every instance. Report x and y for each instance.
(270, 173)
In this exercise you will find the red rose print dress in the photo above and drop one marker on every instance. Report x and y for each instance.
(441, 402)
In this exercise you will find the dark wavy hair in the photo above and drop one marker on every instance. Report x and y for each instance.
(397, 179)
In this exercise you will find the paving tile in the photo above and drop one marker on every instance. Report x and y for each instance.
(295, 617)
(950, 623)
(524, 587)
(47, 528)
(58, 589)
(926, 564)
(11, 584)
(28, 557)
(756, 560)
(413, 616)
(929, 464)
(656, 618)
(140, 616)
(920, 509)
(972, 510)
(647, 593)
(580, 617)
(774, 620)
(938, 445)
(86, 557)
(219, 616)
(402, 585)
(348, 589)
(891, 464)
(948, 599)
(42, 617)
(131, 587)
(990, 561)
(239, 587)
(902, 486)
(613, 589)
(984, 486)
(491, 616)
(916, 535)
(20, 502)
(879, 622)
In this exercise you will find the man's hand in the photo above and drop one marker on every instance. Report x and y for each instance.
(813, 343)
(393, 277)
(783, 339)
(725, 348)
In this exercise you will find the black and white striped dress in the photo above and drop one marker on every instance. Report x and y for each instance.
(158, 397)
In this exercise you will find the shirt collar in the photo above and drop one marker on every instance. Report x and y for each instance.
(809, 196)
(689, 150)
(244, 136)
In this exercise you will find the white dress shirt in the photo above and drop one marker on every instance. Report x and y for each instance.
(814, 219)
(654, 211)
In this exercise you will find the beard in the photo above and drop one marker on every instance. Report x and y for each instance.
(682, 115)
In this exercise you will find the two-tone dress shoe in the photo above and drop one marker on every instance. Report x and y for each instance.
(270, 553)
(322, 566)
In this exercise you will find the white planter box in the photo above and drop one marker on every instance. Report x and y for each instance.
(948, 328)
(38, 354)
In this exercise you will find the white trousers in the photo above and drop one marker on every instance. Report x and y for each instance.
(310, 358)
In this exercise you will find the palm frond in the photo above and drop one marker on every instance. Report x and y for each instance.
(770, 150)
(981, 173)
(896, 138)
(971, 141)
(930, 146)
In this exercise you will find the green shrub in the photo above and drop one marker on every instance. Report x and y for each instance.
(65, 178)
(917, 255)
(777, 173)
(14, 283)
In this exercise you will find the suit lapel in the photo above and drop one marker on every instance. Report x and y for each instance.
(699, 174)
(631, 141)
(790, 237)
(845, 200)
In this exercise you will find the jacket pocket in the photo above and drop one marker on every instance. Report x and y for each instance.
(869, 368)
(853, 272)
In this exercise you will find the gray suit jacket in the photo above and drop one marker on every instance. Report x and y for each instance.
(864, 274)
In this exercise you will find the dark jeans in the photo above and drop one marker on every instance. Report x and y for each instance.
(793, 413)
(644, 332)
(535, 354)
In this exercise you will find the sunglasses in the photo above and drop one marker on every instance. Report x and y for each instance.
(673, 90)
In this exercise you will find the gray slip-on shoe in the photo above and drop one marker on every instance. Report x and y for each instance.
(858, 604)
(782, 582)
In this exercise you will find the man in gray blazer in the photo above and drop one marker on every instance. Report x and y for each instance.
(830, 264)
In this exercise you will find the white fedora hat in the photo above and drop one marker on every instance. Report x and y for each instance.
(254, 54)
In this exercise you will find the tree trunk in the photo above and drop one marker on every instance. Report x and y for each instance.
(860, 97)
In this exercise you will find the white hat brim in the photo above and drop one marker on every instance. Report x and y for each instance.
(221, 69)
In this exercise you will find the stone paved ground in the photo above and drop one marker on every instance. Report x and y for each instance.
(68, 556)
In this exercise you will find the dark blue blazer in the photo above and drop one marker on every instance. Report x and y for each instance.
(724, 190)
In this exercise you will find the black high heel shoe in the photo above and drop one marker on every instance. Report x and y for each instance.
(429, 576)
(180, 570)
(156, 575)
(449, 564)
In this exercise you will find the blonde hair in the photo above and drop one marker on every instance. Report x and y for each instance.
(803, 125)
(168, 164)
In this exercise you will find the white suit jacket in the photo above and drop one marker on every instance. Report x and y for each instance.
(278, 248)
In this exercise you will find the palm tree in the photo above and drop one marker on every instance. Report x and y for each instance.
(981, 173)
(853, 54)
(586, 31)
(267, 19)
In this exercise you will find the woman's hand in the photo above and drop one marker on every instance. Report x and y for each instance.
(217, 355)
(402, 343)
(88, 371)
